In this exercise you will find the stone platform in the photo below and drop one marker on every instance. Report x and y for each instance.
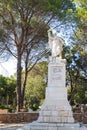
(52, 126)
(56, 108)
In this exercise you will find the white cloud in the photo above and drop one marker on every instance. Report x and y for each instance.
(8, 68)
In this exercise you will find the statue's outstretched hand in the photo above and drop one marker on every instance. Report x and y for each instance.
(50, 30)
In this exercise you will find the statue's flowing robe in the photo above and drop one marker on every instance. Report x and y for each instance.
(56, 44)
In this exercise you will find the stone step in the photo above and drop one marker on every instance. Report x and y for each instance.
(50, 126)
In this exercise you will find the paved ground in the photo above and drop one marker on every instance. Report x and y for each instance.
(12, 126)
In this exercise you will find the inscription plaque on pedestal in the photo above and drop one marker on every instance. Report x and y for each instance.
(56, 76)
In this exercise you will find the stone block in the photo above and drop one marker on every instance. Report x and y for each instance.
(67, 128)
(70, 119)
(55, 119)
(70, 113)
(65, 113)
(41, 119)
(64, 120)
(46, 113)
(54, 113)
(46, 119)
(59, 114)
(3, 111)
(52, 128)
(37, 128)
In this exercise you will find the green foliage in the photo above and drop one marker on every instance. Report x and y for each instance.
(33, 103)
(2, 85)
(25, 24)
(81, 9)
(59, 7)
(7, 90)
(10, 108)
(80, 96)
(78, 56)
(36, 83)
(3, 107)
(76, 74)
(81, 21)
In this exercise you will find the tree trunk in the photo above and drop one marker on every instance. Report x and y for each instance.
(25, 77)
(23, 90)
(19, 70)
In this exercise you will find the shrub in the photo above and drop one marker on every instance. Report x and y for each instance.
(34, 103)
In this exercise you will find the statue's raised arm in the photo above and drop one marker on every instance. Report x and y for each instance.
(56, 44)
(50, 38)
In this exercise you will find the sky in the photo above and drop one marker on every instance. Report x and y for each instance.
(8, 68)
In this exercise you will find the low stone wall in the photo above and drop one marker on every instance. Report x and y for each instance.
(80, 117)
(18, 117)
(3, 111)
(29, 117)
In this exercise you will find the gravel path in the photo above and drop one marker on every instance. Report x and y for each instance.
(12, 126)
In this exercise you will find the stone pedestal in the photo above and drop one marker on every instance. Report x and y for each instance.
(56, 108)
(56, 113)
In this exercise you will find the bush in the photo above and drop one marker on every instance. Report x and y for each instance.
(3, 107)
(10, 108)
(34, 103)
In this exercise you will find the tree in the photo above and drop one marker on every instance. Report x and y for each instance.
(36, 84)
(24, 24)
(77, 62)
(76, 71)
(3, 52)
(80, 96)
(80, 35)
(7, 90)
(2, 88)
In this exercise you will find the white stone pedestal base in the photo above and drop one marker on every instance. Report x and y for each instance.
(52, 126)
(56, 108)
(56, 111)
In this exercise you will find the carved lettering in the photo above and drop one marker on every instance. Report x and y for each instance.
(56, 75)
